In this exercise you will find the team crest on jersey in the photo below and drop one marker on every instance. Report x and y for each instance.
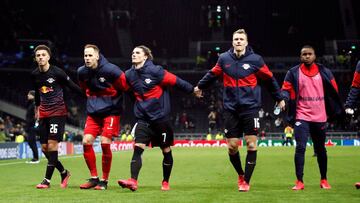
(102, 79)
(50, 80)
(246, 66)
(298, 123)
(148, 80)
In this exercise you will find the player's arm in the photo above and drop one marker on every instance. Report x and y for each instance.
(354, 93)
(211, 76)
(66, 81)
(288, 91)
(268, 78)
(170, 79)
(120, 82)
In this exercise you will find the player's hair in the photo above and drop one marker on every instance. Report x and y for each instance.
(307, 47)
(96, 48)
(147, 51)
(42, 47)
(32, 92)
(241, 31)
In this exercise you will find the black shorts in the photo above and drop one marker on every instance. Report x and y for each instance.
(236, 124)
(52, 128)
(158, 134)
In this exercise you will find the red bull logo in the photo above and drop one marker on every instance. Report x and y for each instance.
(45, 89)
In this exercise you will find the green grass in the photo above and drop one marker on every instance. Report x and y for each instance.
(199, 175)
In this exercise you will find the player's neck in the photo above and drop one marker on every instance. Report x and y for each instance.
(139, 65)
(95, 66)
(44, 68)
(239, 53)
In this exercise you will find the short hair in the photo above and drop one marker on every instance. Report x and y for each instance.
(241, 31)
(307, 47)
(42, 47)
(147, 51)
(32, 92)
(96, 48)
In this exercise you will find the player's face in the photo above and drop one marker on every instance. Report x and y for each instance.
(138, 56)
(30, 96)
(91, 58)
(42, 57)
(239, 42)
(307, 56)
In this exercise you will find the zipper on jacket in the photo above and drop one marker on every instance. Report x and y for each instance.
(237, 82)
(141, 85)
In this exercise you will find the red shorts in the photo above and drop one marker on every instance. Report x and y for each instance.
(108, 126)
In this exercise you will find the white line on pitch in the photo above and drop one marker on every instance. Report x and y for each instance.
(61, 157)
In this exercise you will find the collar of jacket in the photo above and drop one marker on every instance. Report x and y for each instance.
(309, 71)
(148, 63)
(248, 51)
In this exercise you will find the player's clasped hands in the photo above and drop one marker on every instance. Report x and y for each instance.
(198, 92)
(281, 104)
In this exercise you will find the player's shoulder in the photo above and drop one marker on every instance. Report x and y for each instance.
(157, 71)
(82, 69)
(35, 71)
(225, 55)
(56, 69)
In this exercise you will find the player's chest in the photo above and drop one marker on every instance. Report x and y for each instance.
(100, 79)
(239, 69)
(47, 80)
(140, 82)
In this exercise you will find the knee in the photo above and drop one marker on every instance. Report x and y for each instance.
(88, 139)
(141, 146)
(105, 140)
(233, 148)
(166, 150)
(251, 146)
(53, 146)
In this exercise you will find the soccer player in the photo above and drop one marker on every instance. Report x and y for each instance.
(312, 93)
(240, 69)
(353, 97)
(49, 82)
(149, 83)
(31, 128)
(101, 80)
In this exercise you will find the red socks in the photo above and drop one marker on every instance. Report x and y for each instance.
(90, 159)
(106, 160)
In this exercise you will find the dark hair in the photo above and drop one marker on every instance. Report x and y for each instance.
(147, 51)
(32, 92)
(307, 47)
(96, 48)
(43, 47)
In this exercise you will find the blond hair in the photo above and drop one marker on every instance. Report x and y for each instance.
(241, 31)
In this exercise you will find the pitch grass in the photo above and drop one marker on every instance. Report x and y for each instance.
(199, 175)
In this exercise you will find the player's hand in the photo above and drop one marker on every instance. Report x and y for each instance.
(198, 92)
(349, 111)
(281, 104)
